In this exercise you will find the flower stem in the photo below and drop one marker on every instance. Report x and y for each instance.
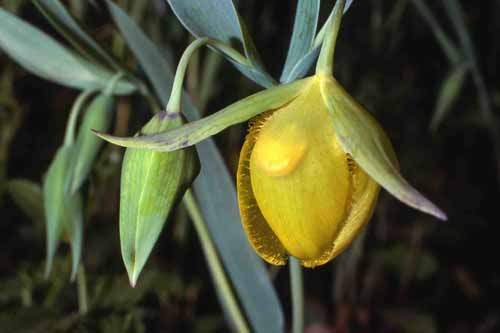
(326, 56)
(81, 283)
(69, 136)
(223, 286)
(174, 102)
(296, 281)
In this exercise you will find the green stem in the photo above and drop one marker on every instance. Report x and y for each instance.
(81, 283)
(296, 280)
(174, 103)
(69, 136)
(326, 56)
(215, 265)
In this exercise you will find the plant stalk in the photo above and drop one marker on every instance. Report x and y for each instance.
(174, 102)
(215, 266)
(296, 281)
(326, 56)
(81, 283)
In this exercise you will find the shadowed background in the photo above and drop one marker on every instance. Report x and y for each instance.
(406, 273)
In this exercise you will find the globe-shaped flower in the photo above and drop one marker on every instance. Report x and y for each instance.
(299, 192)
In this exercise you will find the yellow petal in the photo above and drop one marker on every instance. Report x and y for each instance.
(364, 197)
(261, 237)
(300, 176)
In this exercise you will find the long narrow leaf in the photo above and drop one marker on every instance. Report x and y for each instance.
(216, 194)
(43, 56)
(304, 31)
(72, 220)
(54, 194)
(71, 30)
(304, 64)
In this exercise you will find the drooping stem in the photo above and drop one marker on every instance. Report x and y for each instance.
(174, 102)
(296, 281)
(326, 56)
(69, 136)
(221, 281)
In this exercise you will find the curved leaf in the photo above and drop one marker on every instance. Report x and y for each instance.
(218, 19)
(72, 220)
(362, 138)
(199, 130)
(43, 56)
(54, 193)
(57, 14)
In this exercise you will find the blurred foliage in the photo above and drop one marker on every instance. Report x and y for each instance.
(408, 273)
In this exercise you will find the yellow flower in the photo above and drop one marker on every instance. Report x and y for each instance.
(299, 192)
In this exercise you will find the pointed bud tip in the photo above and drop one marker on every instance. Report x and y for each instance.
(132, 278)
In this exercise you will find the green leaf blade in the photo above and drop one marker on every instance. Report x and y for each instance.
(219, 19)
(57, 14)
(54, 192)
(304, 31)
(73, 227)
(43, 56)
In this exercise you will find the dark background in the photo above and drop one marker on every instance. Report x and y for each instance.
(407, 273)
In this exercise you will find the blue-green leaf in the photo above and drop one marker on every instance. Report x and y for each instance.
(302, 66)
(72, 220)
(43, 56)
(62, 20)
(216, 195)
(218, 19)
(152, 183)
(54, 193)
(150, 57)
(304, 31)
(97, 117)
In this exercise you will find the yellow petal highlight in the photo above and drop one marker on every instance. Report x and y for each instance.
(300, 176)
